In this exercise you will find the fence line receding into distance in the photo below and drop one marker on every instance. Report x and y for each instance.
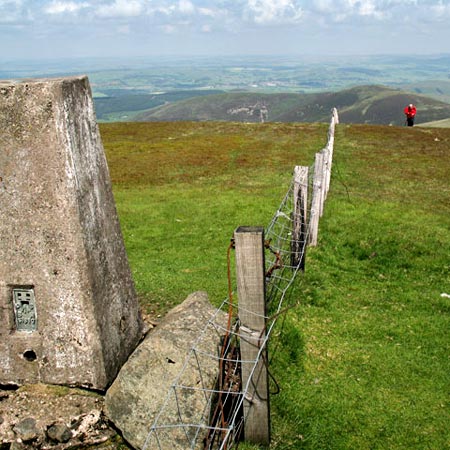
(237, 406)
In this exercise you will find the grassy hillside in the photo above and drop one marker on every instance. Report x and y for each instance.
(445, 123)
(437, 89)
(362, 361)
(364, 104)
(120, 105)
(372, 368)
(184, 187)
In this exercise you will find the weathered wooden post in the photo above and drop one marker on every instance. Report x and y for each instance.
(316, 202)
(250, 272)
(326, 176)
(299, 228)
(330, 148)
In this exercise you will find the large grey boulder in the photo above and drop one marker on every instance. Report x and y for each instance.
(163, 381)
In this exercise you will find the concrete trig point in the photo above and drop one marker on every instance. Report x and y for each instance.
(68, 309)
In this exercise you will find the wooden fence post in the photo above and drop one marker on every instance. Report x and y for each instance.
(316, 202)
(326, 175)
(250, 275)
(323, 184)
(329, 150)
(299, 228)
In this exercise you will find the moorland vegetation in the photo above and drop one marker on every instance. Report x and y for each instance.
(362, 360)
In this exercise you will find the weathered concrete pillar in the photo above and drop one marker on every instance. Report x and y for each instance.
(68, 308)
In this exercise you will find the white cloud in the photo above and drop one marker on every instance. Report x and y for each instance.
(207, 12)
(441, 10)
(186, 7)
(121, 8)
(164, 10)
(342, 10)
(273, 11)
(369, 8)
(61, 7)
(171, 8)
(245, 22)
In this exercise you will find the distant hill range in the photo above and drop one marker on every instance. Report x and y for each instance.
(362, 104)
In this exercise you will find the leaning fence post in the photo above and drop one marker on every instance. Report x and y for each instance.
(299, 228)
(316, 202)
(250, 277)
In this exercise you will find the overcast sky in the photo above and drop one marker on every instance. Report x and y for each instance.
(80, 28)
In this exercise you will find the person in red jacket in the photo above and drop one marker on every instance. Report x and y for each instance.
(410, 112)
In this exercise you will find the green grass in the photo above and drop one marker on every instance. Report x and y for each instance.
(363, 361)
(373, 368)
(182, 188)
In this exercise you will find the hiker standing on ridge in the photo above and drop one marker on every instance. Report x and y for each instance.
(410, 112)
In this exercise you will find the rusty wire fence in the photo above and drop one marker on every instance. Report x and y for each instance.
(216, 416)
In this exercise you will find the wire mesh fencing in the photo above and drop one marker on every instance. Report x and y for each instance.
(218, 410)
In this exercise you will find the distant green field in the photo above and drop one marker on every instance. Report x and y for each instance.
(270, 73)
(362, 362)
(438, 89)
(123, 107)
(123, 87)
